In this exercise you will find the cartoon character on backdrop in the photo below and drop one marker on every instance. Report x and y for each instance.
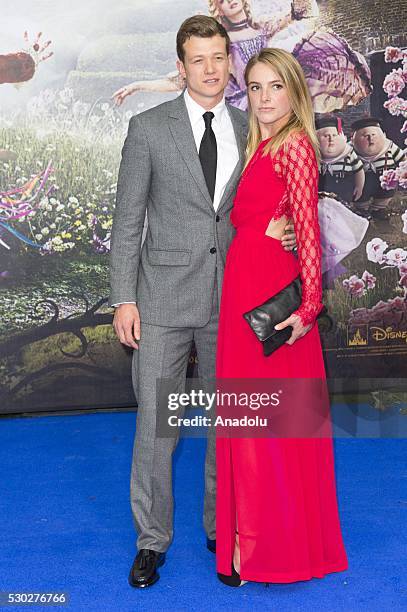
(378, 154)
(337, 75)
(341, 181)
(341, 170)
(342, 231)
(19, 67)
(18, 203)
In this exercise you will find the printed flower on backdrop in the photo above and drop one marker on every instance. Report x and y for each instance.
(80, 109)
(393, 55)
(101, 245)
(66, 95)
(403, 282)
(394, 82)
(401, 174)
(396, 106)
(402, 268)
(375, 250)
(404, 127)
(354, 286)
(369, 279)
(404, 219)
(398, 303)
(395, 257)
(389, 180)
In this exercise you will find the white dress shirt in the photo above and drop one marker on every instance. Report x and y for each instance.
(228, 153)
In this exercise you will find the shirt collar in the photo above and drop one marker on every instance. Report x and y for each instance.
(195, 110)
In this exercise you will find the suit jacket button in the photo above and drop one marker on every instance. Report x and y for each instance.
(217, 218)
(212, 250)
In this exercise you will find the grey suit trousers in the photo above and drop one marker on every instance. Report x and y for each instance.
(164, 353)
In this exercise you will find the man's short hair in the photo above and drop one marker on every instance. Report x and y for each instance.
(201, 26)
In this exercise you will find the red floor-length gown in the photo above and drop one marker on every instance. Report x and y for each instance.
(281, 491)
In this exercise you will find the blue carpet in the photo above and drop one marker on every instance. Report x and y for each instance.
(66, 523)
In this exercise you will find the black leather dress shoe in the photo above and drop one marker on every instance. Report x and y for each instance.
(143, 572)
(211, 545)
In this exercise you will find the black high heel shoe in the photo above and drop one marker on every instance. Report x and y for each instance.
(233, 580)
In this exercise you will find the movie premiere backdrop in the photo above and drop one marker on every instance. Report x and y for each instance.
(61, 134)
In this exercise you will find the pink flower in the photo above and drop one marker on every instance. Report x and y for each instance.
(369, 279)
(402, 268)
(393, 55)
(404, 219)
(403, 281)
(396, 106)
(375, 250)
(388, 180)
(395, 257)
(398, 303)
(354, 286)
(404, 127)
(401, 174)
(394, 82)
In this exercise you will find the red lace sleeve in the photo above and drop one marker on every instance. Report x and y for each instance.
(301, 171)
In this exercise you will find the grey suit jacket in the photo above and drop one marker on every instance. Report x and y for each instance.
(172, 276)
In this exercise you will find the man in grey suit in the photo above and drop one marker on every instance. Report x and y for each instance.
(181, 162)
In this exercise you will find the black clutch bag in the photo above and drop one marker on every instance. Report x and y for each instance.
(263, 318)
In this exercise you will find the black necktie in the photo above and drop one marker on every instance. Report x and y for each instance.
(208, 153)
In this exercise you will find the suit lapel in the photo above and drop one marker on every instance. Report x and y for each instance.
(240, 129)
(181, 130)
(182, 133)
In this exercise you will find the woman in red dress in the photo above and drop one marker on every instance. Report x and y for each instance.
(277, 516)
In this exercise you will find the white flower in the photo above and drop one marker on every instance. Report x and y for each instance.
(60, 207)
(66, 95)
(375, 250)
(404, 219)
(395, 257)
(39, 236)
(45, 231)
(73, 200)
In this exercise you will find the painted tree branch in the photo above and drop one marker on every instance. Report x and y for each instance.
(71, 324)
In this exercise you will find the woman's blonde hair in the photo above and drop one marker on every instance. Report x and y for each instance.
(302, 116)
(215, 12)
